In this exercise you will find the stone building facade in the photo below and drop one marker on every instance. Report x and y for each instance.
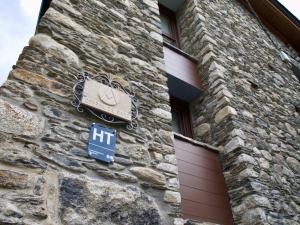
(248, 110)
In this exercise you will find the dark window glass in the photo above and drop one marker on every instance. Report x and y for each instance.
(181, 119)
(176, 121)
(169, 26)
(165, 25)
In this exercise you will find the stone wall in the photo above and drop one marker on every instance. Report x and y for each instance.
(250, 108)
(46, 176)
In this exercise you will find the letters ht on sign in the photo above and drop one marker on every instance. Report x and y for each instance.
(102, 143)
(101, 135)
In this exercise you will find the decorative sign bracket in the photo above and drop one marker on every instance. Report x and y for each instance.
(106, 99)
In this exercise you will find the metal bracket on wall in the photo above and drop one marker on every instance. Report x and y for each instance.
(78, 90)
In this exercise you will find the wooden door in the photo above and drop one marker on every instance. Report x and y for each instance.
(202, 185)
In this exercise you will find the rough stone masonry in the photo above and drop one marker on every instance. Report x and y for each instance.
(250, 108)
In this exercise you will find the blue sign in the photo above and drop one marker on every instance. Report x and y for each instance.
(102, 143)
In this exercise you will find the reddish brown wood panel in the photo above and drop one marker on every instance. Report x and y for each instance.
(199, 161)
(207, 213)
(196, 150)
(181, 67)
(199, 172)
(202, 185)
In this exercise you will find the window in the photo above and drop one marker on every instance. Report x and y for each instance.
(179, 74)
(296, 70)
(169, 26)
(181, 119)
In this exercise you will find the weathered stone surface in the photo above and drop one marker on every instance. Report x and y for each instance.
(171, 159)
(166, 167)
(125, 177)
(39, 80)
(10, 214)
(247, 114)
(48, 44)
(291, 129)
(55, 113)
(116, 166)
(172, 197)
(151, 4)
(62, 132)
(66, 21)
(173, 183)
(160, 148)
(19, 207)
(123, 161)
(126, 45)
(156, 36)
(267, 155)
(242, 71)
(79, 152)
(225, 112)
(214, 66)
(238, 133)
(180, 221)
(234, 144)
(137, 152)
(225, 93)
(166, 137)
(30, 105)
(249, 172)
(294, 164)
(207, 57)
(85, 201)
(253, 215)
(7, 220)
(157, 156)
(250, 202)
(60, 160)
(18, 121)
(84, 136)
(202, 129)
(216, 74)
(244, 158)
(19, 157)
(264, 163)
(10, 210)
(149, 175)
(162, 113)
(127, 138)
(11, 179)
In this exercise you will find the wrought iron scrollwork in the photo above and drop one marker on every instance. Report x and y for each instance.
(106, 80)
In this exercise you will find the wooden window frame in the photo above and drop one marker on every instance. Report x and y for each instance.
(171, 16)
(182, 108)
